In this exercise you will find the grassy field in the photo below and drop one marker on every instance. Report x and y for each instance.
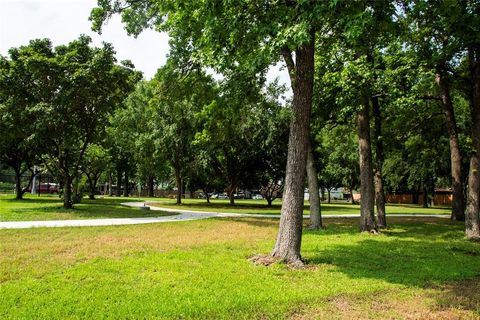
(48, 207)
(260, 206)
(418, 269)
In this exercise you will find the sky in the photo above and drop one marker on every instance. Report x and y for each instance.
(64, 20)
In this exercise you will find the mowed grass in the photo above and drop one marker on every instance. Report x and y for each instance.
(50, 207)
(420, 268)
(260, 206)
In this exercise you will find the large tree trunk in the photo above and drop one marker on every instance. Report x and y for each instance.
(288, 244)
(458, 201)
(379, 191)
(67, 193)
(472, 219)
(18, 184)
(231, 196)
(367, 191)
(314, 197)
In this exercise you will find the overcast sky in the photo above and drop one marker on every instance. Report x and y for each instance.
(64, 20)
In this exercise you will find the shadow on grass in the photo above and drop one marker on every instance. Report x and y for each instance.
(434, 254)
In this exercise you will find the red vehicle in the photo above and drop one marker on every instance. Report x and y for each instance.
(45, 188)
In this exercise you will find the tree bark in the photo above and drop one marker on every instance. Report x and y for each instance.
(458, 202)
(18, 184)
(379, 190)
(67, 193)
(425, 197)
(118, 192)
(314, 197)
(126, 185)
(178, 182)
(367, 191)
(205, 190)
(288, 244)
(329, 195)
(231, 196)
(150, 186)
(110, 184)
(472, 219)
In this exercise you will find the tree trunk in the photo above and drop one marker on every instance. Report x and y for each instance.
(205, 190)
(178, 184)
(329, 195)
(67, 193)
(269, 201)
(118, 192)
(351, 192)
(379, 191)
(425, 197)
(110, 184)
(18, 184)
(367, 191)
(458, 201)
(322, 192)
(126, 185)
(231, 196)
(472, 219)
(150, 186)
(91, 184)
(314, 197)
(288, 244)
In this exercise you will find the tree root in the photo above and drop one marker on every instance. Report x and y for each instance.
(269, 260)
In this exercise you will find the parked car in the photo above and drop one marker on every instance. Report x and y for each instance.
(257, 197)
(45, 188)
(222, 196)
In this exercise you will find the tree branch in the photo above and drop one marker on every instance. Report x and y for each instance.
(287, 56)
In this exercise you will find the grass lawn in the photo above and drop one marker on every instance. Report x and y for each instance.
(50, 207)
(418, 268)
(260, 206)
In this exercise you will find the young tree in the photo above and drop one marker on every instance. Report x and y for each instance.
(177, 99)
(96, 160)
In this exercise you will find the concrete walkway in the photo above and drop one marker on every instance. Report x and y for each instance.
(181, 215)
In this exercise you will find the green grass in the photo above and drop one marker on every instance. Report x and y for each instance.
(200, 269)
(260, 206)
(48, 207)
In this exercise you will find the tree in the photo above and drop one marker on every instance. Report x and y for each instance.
(82, 86)
(94, 163)
(270, 31)
(19, 144)
(177, 99)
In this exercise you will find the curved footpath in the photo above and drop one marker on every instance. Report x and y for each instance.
(182, 215)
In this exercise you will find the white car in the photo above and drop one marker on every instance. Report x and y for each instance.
(257, 197)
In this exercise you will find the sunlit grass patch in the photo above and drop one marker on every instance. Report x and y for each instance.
(200, 269)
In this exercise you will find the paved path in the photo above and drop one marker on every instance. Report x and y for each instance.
(182, 215)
